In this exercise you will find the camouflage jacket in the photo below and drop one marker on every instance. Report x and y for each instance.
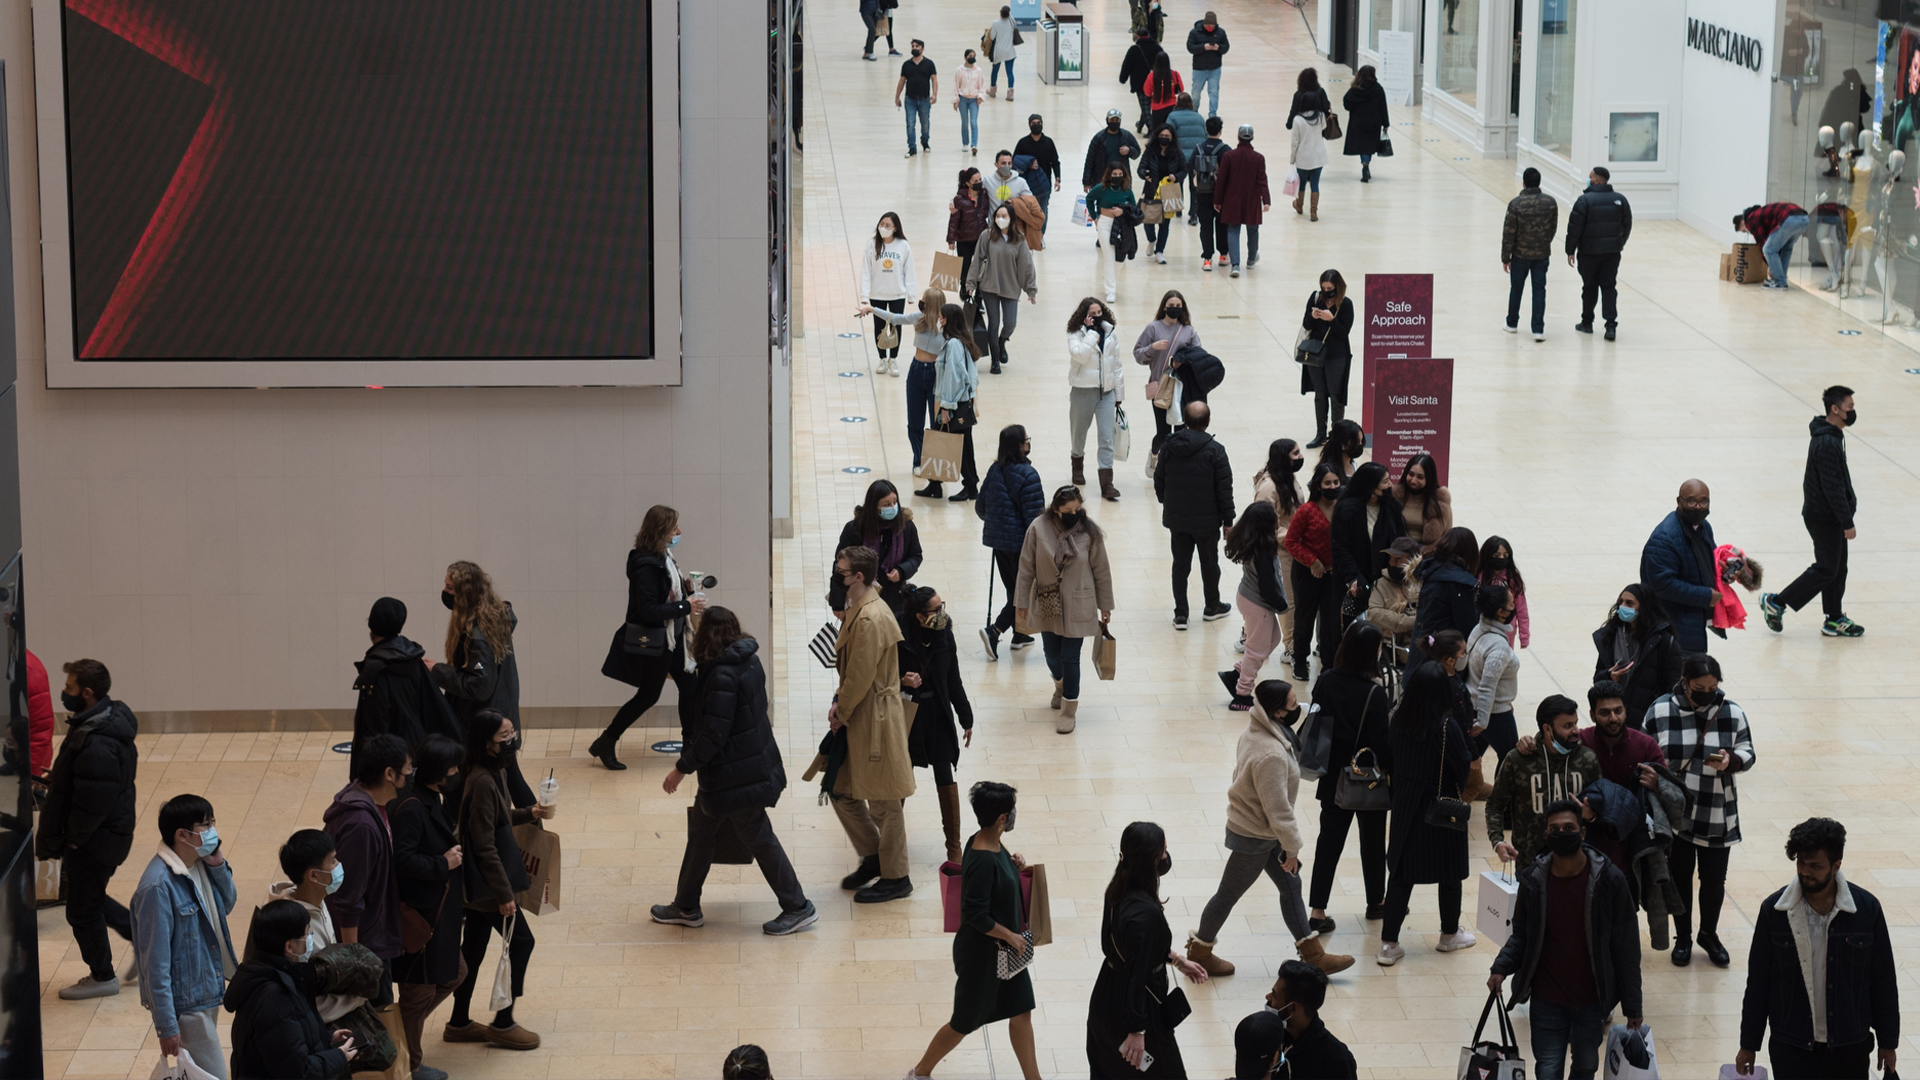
(1532, 219)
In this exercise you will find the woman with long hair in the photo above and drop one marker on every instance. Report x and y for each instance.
(1308, 95)
(1493, 677)
(1307, 153)
(1094, 380)
(930, 678)
(1315, 598)
(1170, 330)
(1002, 270)
(1426, 754)
(886, 279)
(1448, 579)
(1341, 447)
(650, 647)
(1329, 320)
(927, 339)
(1635, 647)
(1127, 1020)
(1351, 694)
(1107, 200)
(1367, 121)
(956, 380)
(1366, 521)
(730, 746)
(426, 868)
(1277, 483)
(1498, 568)
(1160, 163)
(1254, 543)
(1011, 496)
(886, 525)
(1426, 508)
(1163, 87)
(966, 218)
(1065, 591)
(482, 669)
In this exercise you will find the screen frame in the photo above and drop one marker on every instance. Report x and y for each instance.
(66, 370)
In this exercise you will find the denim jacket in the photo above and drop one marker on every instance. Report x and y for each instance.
(184, 953)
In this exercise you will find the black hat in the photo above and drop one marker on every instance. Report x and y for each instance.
(388, 617)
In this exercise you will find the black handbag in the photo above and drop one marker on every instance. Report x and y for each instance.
(1447, 813)
(1363, 787)
(960, 418)
(637, 640)
(1174, 1008)
(1385, 149)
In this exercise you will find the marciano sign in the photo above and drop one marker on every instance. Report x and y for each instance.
(1724, 44)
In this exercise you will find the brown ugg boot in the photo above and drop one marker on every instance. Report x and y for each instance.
(1201, 952)
(1477, 788)
(1107, 490)
(1059, 688)
(1297, 200)
(1314, 208)
(1069, 716)
(1312, 953)
(950, 819)
(1079, 471)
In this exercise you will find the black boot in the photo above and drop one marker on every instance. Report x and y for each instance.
(602, 748)
(1716, 952)
(868, 870)
(1682, 940)
(1366, 172)
(931, 491)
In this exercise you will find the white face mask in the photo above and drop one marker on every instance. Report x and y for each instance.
(1003, 221)
(886, 232)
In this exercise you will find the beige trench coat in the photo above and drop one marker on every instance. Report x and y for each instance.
(878, 763)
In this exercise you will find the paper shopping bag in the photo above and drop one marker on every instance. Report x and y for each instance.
(1749, 264)
(540, 851)
(1106, 655)
(1624, 1049)
(950, 896)
(940, 453)
(1038, 910)
(1732, 1072)
(946, 273)
(1498, 894)
(882, 26)
(49, 885)
(1170, 196)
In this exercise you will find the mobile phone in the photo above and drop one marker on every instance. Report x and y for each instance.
(1146, 1059)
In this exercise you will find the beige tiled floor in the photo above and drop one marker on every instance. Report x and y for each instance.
(1571, 449)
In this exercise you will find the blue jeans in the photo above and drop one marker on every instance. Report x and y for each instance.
(1233, 243)
(919, 403)
(969, 121)
(1521, 269)
(1310, 179)
(1042, 192)
(1210, 80)
(1779, 246)
(1555, 1027)
(922, 109)
(1063, 661)
(993, 73)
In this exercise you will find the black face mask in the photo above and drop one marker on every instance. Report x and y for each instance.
(1068, 521)
(1035, 129)
(1329, 494)
(73, 703)
(1290, 717)
(1692, 518)
(1563, 843)
(1852, 415)
(1397, 574)
(1704, 699)
(507, 749)
(1165, 866)
(1294, 464)
(1113, 125)
(446, 599)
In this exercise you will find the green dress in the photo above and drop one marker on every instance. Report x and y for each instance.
(989, 894)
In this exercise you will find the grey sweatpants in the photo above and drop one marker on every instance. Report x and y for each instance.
(1086, 404)
(1243, 869)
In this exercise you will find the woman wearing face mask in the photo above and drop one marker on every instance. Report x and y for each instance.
(1262, 837)
(1171, 328)
(1493, 675)
(1367, 122)
(1254, 543)
(927, 341)
(1366, 521)
(1128, 1019)
(276, 1031)
(1002, 270)
(1110, 199)
(1448, 580)
(1426, 509)
(1350, 693)
(969, 84)
(883, 524)
(1163, 163)
(426, 866)
(650, 647)
(930, 678)
(1426, 754)
(1342, 447)
(1308, 155)
(494, 872)
(966, 219)
(1065, 591)
(482, 669)
(1276, 484)
(1163, 87)
(1316, 599)
(1707, 743)
(1095, 377)
(1328, 320)
(1396, 595)
(886, 279)
(1497, 568)
(1636, 648)
(1011, 497)
(990, 920)
(955, 382)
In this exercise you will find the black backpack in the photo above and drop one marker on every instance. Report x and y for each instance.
(1206, 166)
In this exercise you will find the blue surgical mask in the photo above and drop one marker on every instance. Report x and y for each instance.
(209, 840)
(673, 541)
(1558, 748)
(1626, 614)
(306, 952)
(888, 513)
(339, 876)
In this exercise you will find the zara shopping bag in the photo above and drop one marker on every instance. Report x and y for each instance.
(940, 455)
(1630, 1054)
(185, 1068)
(1499, 892)
(1483, 1060)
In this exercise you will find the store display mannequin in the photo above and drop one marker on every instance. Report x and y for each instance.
(1885, 248)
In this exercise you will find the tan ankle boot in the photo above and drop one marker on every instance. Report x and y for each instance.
(1314, 214)
(1477, 788)
(1059, 688)
(1313, 953)
(1080, 471)
(1069, 714)
(1201, 952)
(950, 819)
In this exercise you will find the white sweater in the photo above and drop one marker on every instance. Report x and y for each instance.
(889, 275)
(1266, 781)
(1309, 141)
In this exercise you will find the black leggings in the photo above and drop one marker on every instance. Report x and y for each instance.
(1161, 428)
(879, 324)
(647, 694)
(1333, 840)
(1008, 563)
(477, 935)
(1315, 599)
(1400, 894)
(1713, 884)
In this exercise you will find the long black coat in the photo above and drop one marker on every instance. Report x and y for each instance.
(398, 697)
(1653, 675)
(649, 603)
(940, 696)
(422, 833)
(1357, 554)
(1337, 354)
(474, 680)
(1421, 771)
(1359, 710)
(277, 1033)
(1366, 115)
(729, 740)
(1194, 483)
(90, 796)
(1128, 992)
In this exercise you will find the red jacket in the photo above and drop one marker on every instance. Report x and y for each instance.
(1241, 188)
(1162, 97)
(1765, 219)
(1310, 537)
(39, 717)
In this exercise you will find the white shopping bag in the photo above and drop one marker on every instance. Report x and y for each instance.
(1122, 434)
(1080, 214)
(183, 1068)
(1617, 1066)
(502, 996)
(1732, 1072)
(1499, 892)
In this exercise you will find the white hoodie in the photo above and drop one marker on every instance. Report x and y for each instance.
(319, 935)
(888, 275)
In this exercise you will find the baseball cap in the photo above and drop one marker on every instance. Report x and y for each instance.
(1246, 131)
(1404, 545)
(1113, 114)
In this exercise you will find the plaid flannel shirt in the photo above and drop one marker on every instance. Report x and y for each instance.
(1688, 737)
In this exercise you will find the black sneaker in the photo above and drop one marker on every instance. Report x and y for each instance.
(1179, 622)
(1216, 611)
(1231, 680)
(885, 889)
(990, 637)
(1021, 641)
(1319, 441)
(1716, 952)
(677, 916)
(1609, 334)
(1300, 671)
(1323, 925)
(790, 921)
(1584, 327)
(869, 869)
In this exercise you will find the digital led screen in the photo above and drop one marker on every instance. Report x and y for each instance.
(401, 179)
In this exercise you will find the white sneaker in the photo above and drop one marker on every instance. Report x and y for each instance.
(1110, 296)
(1540, 336)
(1454, 942)
(1390, 954)
(1507, 328)
(1159, 258)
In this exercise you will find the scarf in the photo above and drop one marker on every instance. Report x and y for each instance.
(1625, 648)
(890, 551)
(675, 594)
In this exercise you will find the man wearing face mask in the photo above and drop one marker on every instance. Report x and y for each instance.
(88, 818)
(1003, 185)
(1207, 41)
(1827, 507)
(1574, 951)
(1194, 483)
(1527, 784)
(1677, 563)
(1046, 162)
(276, 1028)
(311, 862)
(1112, 143)
(366, 908)
(183, 951)
(1287, 1038)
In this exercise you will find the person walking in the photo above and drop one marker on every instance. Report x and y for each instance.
(1261, 836)
(1827, 506)
(966, 220)
(956, 381)
(1095, 379)
(1774, 226)
(311, 861)
(1189, 129)
(1194, 485)
(1636, 648)
(1204, 167)
(277, 1032)
(969, 85)
(1493, 679)
(1316, 596)
(1350, 694)
(1111, 201)
(88, 816)
(1308, 96)
(1308, 153)
(1843, 994)
(1065, 591)
(1395, 599)
(1597, 229)
(1366, 521)
(1426, 754)
(1254, 543)
(919, 85)
(659, 599)
(396, 692)
(1447, 586)
(1162, 164)
(1011, 497)
(1241, 197)
(1134, 69)
(1677, 563)
(366, 908)
(1207, 43)
(1328, 319)
(426, 864)
(927, 340)
(870, 12)
(1557, 766)
(1276, 485)
(1001, 271)
(1707, 744)
(930, 678)
(183, 951)
(1367, 121)
(1574, 950)
(1039, 146)
(1128, 1019)
(1170, 330)
(1526, 248)
(1426, 507)
(992, 920)
(1006, 46)
(1004, 185)
(869, 791)
(886, 280)
(732, 749)
(1163, 88)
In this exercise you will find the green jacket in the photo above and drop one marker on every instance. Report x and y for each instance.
(1526, 784)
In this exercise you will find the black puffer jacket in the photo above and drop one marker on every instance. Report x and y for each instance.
(90, 796)
(1446, 602)
(1198, 370)
(398, 697)
(1357, 554)
(1199, 37)
(732, 750)
(1613, 935)
(1826, 493)
(277, 1033)
(1654, 672)
(1194, 483)
(1599, 222)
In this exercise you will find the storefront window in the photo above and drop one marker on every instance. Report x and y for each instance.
(1553, 80)
(1460, 50)
(1382, 20)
